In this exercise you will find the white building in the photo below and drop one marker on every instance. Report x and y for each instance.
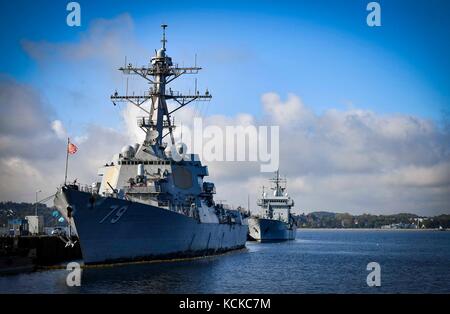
(35, 224)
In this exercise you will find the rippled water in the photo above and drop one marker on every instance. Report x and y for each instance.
(318, 261)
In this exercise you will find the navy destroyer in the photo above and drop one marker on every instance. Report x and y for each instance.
(274, 222)
(148, 202)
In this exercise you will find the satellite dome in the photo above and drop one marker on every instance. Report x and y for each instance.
(161, 53)
(127, 151)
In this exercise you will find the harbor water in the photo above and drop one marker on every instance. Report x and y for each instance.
(318, 261)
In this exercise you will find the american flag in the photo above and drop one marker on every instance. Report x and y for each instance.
(71, 148)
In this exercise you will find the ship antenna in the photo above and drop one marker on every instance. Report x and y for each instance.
(160, 72)
(181, 130)
(164, 40)
(278, 179)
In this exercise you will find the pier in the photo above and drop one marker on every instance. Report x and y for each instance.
(23, 253)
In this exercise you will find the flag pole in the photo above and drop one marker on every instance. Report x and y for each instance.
(67, 160)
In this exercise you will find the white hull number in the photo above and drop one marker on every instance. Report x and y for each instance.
(115, 213)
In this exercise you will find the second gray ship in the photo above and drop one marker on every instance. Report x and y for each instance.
(274, 221)
(148, 204)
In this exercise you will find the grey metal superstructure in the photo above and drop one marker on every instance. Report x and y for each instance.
(149, 203)
(274, 222)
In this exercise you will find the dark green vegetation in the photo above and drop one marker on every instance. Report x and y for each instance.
(345, 220)
(11, 210)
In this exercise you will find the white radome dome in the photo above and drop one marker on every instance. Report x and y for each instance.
(161, 53)
(127, 151)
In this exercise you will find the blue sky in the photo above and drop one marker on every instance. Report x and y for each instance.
(322, 51)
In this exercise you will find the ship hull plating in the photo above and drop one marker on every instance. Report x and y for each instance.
(114, 230)
(265, 230)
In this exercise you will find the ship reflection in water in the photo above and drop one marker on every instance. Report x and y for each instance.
(318, 261)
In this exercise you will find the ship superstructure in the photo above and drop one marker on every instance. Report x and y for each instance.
(275, 221)
(149, 203)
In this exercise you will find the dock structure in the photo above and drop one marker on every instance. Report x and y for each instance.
(36, 251)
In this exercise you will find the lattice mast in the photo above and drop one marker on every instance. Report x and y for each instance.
(279, 182)
(159, 73)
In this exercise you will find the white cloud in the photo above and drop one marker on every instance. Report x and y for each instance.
(293, 110)
(16, 174)
(349, 160)
(437, 175)
(130, 114)
(59, 129)
(33, 158)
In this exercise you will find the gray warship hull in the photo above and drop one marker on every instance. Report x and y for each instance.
(266, 230)
(112, 230)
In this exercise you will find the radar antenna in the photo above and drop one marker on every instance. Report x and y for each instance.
(164, 40)
(159, 73)
(278, 181)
